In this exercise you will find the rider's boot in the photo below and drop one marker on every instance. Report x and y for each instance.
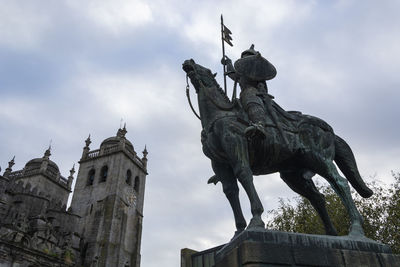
(257, 117)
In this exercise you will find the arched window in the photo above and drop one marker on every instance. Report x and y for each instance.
(137, 184)
(128, 179)
(90, 177)
(103, 174)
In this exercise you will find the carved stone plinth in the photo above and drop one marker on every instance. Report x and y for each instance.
(274, 248)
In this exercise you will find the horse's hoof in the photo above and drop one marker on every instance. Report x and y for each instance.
(332, 232)
(237, 232)
(256, 223)
(356, 230)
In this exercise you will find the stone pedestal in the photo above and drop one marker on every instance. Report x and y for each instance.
(274, 248)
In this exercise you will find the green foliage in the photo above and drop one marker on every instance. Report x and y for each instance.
(381, 214)
(68, 257)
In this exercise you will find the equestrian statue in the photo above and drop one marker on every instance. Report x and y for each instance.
(253, 135)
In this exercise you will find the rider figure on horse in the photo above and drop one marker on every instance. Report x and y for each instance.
(251, 71)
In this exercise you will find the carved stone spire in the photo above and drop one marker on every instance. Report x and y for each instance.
(72, 171)
(71, 176)
(144, 159)
(145, 153)
(47, 153)
(86, 149)
(88, 141)
(46, 158)
(122, 132)
(11, 163)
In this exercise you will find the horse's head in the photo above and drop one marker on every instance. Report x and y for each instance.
(199, 75)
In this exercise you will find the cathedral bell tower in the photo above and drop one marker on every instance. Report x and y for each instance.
(109, 196)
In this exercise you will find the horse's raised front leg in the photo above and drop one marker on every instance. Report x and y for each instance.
(235, 146)
(229, 185)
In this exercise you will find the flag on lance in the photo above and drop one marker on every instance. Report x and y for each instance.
(226, 35)
(225, 38)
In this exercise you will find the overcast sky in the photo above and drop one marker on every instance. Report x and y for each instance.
(70, 68)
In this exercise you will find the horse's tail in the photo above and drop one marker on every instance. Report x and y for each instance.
(346, 162)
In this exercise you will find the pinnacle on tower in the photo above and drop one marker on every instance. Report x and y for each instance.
(144, 159)
(72, 171)
(88, 141)
(145, 153)
(121, 132)
(11, 163)
(71, 176)
(47, 153)
(86, 147)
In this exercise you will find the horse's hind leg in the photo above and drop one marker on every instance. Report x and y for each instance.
(340, 185)
(229, 185)
(303, 185)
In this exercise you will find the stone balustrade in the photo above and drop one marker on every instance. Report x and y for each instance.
(112, 149)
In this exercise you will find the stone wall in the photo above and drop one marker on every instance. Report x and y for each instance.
(34, 231)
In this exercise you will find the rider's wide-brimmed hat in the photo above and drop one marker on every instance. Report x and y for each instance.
(255, 68)
(249, 52)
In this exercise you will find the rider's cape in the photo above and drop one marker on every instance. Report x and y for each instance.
(294, 121)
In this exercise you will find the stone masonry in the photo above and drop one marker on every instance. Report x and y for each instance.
(101, 228)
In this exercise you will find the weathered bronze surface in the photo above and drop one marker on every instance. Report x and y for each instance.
(296, 145)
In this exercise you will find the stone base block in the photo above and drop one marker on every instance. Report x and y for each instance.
(274, 248)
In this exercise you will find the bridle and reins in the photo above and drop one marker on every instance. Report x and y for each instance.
(188, 97)
(206, 93)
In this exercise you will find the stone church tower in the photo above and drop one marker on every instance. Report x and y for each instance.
(108, 196)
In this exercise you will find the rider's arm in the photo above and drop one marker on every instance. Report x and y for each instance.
(230, 70)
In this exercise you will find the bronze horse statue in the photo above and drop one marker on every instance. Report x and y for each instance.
(310, 148)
